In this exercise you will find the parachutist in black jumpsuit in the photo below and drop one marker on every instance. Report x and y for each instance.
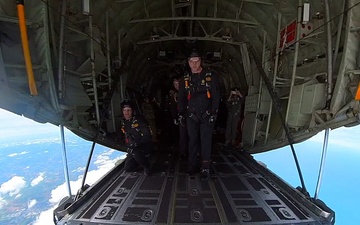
(233, 104)
(138, 139)
(199, 99)
(183, 133)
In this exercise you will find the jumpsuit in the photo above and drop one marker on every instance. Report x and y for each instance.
(233, 118)
(183, 133)
(149, 114)
(198, 106)
(138, 139)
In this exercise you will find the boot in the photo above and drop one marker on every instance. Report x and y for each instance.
(147, 171)
(233, 143)
(227, 143)
(205, 174)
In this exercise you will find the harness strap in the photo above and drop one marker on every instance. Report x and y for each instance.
(187, 79)
(135, 125)
(208, 83)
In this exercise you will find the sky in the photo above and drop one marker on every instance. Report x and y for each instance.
(12, 127)
(340, 178)
(338, 189)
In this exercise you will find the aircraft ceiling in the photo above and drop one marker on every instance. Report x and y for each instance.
(147, 27)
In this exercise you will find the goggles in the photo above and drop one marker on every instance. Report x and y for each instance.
(194, 59)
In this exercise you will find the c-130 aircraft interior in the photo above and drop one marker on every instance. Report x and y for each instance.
(71, 63)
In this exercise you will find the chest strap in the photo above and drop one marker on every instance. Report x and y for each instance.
(187, 80)
(134, 124)
(208, 83)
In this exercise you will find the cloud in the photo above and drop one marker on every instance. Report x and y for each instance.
(17, 196)
(31, 203)
(79, 169)
(45, 217)
(2, 202)
(37, 180)
(13, 186)
(103, 163)
(15, 154)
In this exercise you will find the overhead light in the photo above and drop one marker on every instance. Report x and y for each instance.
(227, 34)
(86, 7)
(162, 53)
(217, 55)
(306, 13)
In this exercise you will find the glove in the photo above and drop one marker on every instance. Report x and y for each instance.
(176, 122)
(133, 145)
(193, 117)
(212, 120)
(181, 120)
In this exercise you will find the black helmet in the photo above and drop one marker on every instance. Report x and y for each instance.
(175, 77)
(127, 103)
(194, 53)
(235, 89)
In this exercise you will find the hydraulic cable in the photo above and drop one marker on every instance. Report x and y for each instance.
(278, 109)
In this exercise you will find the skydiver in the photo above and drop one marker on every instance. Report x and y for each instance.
(148, 111)
(199, 98)
(138, 139)
(183, 133)
(233, 104)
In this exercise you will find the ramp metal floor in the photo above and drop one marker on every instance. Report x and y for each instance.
(240, 191)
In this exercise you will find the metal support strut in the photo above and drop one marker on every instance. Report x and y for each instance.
(322, 163)
(65, 164)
